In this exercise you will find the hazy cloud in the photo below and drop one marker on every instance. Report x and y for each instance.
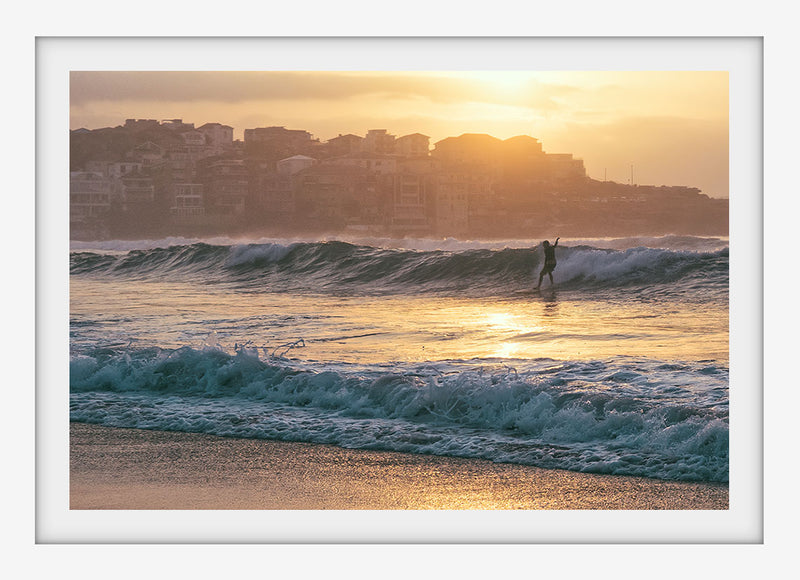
(663, 150)
(237, 87)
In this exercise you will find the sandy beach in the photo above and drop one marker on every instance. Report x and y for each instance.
(133, 469)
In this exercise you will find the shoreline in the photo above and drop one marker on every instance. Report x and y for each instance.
(136, 469)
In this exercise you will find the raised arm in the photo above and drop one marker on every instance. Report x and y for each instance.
(554, 245)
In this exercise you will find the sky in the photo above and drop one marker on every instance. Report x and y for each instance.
(661, 127)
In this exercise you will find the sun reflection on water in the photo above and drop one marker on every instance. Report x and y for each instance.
(401, 328)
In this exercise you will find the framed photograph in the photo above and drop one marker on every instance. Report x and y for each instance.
(400, 290)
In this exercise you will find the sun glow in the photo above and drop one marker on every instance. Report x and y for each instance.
(504, 81)
(673, 125)
(503, 321)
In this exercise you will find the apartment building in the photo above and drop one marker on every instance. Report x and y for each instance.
(563, 167)
(89, 195)
(330, 195)
(381, 163)
(463, 200)
(188, 207)
(378, 141)
(226, 186)
(413, 196)
(343, 144)
(147, 154)
(275, 143)
(138, 191)
(414, 145)
(218, 136)
(475, 152)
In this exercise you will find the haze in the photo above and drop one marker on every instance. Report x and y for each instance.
(665, 127)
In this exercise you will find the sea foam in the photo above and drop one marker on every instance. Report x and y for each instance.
(551, 414)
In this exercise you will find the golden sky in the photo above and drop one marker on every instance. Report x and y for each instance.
(671, 126)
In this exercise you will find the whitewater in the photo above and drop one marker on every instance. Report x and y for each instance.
(439, 347)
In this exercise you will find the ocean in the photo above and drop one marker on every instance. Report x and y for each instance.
(438, 347)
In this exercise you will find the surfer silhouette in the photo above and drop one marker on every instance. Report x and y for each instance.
(549, 261)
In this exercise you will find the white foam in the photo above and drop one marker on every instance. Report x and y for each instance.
(269, 252)
(497, 414)
(693, 243)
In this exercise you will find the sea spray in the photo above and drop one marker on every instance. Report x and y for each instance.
(611, 416)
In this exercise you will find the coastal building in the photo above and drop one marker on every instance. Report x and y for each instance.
(218, 136)
(182, 163)
(187, 204)
(330, 195)
(276, 134)
(275, 198)
(462, 201)
(274, 189)
(147, 154)
(138, 191)
(414, 145)
(137, 125)
(226, 184)
(413, 191)
(194, 139)
(153, 174)
(177, 125)
(89, 195)
(380, 163)
(89, 205)
(112, 169)
(343, 144)
(277, 142)
(523, 160)
(475, 152)
(378, 141)
(563, 167)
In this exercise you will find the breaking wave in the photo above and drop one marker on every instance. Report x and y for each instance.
(342, 266)
(616, 416)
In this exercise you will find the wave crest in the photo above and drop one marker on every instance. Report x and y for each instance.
(320, 266)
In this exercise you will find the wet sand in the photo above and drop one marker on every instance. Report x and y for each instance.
(134, 469)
